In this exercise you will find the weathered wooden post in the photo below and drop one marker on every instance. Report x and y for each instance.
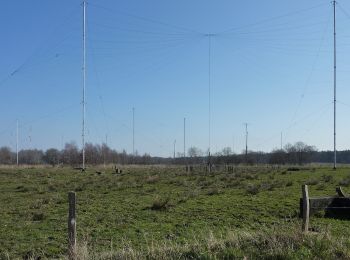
(72, 232)
(306, 208)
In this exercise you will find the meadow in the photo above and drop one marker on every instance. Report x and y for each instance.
(157, 212)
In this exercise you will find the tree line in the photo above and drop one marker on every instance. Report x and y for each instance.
(96, 154)
(71, 155)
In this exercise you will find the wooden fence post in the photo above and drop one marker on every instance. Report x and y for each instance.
(306, 208)
(72, 232)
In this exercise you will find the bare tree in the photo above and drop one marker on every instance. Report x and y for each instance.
(71, 155)
(6, 156)
(226, 151)
(52, 156)
(194, 152)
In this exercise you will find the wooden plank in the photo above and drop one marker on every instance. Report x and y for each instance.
(333, 207)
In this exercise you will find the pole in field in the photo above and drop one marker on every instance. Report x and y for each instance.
(184, 137)
(233, 145)
(281, 141)
(105, 153)
(133, 131)
(17, 148)
(209, 35)
(306, 208)
(174, 149)
(84, 82)
(335, 84)
(30, 137)
(246, 141)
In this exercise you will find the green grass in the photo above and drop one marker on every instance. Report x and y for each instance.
(159, 205)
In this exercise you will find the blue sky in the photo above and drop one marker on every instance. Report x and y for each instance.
(271, 66)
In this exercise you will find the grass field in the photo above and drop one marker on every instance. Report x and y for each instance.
(158, 212)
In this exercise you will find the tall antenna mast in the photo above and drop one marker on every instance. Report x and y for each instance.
(335, 85)
(281, 140)
(133, 131)
(209, 89)
(209, 35)
(105, 152)
(184, 137)
(84, 80)
(30, 137)
(233, 144)
(174, 149)
(17, 142)
(246, 141)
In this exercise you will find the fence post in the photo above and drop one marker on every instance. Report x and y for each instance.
(72, 232)
(306, 208)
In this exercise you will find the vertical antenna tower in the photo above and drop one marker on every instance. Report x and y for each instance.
(174, 149)
(233, 144)
(105, 153)
(133, 131)
(246, 141)
(209, 35)
(184, 137)
(281, 141)
(209, 89)
(17, 142)
(84, 80)
(30, 137)
(335, 85)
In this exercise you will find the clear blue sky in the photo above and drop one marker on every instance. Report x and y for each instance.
(271, 66)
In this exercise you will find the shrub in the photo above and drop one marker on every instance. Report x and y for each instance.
(38, 216)
(289, 183)
(327, 178)
(160, 204)
(213, 191)
(253, 189)
(267, 186)
(293, 169)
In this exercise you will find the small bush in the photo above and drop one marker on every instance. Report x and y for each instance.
(51, 188)
(327, 178)
(251, 177)
(253, 189)
(267, 186)
(160, 204)
(206, 183)
(213, 191)
(21, 188)
(293, 169)
(289, 183)
(38, 216)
